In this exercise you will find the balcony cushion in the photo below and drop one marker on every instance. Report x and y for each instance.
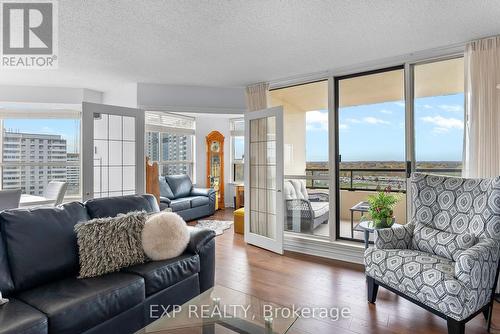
(289, 191)
(300, 189)
(198, 201)
(320, 208)
(424, 277)
(76, 305)
(159, 275)
(444, 244)
(41, 243)
(180, 204)
(181, 185)
(18, 317)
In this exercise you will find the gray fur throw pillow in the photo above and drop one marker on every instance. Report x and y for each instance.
(108, 244)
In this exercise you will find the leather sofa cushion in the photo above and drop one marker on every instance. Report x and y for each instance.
(159, 275)
(41, 243)
(181, 185)
(165, 190)
(76, 305)
(18, 317)
(164, 206)
(6, 284)
(180, 204)
(198, 201)
(112, 206)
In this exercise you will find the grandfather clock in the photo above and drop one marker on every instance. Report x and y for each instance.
(215, 165)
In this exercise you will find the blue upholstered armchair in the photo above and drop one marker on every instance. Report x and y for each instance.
(446, 259)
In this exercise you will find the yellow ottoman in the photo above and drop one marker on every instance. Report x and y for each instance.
(239, 221)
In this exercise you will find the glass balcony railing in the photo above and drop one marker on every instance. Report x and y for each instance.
(371, 179)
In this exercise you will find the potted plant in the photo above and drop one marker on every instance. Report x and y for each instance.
(381, 210)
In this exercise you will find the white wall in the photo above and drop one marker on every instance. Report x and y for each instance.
(204, 125)
(38, 94)
(124, 95)
(191, 98)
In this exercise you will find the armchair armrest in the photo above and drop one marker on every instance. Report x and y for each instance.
(299, 207)
(397, 237)
(319, 197)
(202, 192)
(165, 200)
(476, 266)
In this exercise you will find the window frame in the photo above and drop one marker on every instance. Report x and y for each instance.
(188, 131)
(234, 133)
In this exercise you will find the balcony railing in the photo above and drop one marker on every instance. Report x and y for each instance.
(371, 179)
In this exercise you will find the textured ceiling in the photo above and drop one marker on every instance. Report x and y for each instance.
(234, 43)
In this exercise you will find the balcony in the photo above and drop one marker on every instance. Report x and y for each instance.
(356, 184)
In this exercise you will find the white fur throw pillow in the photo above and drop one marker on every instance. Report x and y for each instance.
(165, 235)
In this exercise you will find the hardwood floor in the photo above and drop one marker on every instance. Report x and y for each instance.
(312, 281)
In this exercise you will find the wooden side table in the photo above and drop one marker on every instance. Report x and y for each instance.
(239, 192)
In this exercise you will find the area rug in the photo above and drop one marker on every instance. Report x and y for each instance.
(218, 226)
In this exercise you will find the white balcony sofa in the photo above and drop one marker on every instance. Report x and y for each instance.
(305, 210)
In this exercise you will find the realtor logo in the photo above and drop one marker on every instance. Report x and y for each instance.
(29, 34)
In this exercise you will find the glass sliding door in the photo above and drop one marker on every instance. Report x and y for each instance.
(370, 126)
(306, 162)
(439, 116)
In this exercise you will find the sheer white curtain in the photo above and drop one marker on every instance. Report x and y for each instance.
(257, 96)
(482, 108)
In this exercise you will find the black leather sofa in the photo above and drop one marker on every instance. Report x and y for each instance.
(177, 192)
(39, 267)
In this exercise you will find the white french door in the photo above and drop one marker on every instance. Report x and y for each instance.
(113, 151)
(264, 179)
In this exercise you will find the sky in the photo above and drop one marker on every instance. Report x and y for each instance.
(376, 132)
(69, 129)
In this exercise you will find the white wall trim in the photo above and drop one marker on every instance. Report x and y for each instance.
(197, 110)
(344, 251)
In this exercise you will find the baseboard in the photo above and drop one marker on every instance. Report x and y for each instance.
(337, 250)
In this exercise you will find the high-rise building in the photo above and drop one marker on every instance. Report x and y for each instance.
(35, 150)
(175, 148)
(73, 174)
(153, 145)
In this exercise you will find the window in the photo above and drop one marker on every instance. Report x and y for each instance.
(371, 144)
(170, 142)
(38, 147)
(439, 116)
(237, 149)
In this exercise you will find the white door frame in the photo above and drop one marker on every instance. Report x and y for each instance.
(88, 110)
(275, 245)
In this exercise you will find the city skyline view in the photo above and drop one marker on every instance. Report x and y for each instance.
(69, 129)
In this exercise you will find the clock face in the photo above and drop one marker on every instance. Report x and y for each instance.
(215, 146)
